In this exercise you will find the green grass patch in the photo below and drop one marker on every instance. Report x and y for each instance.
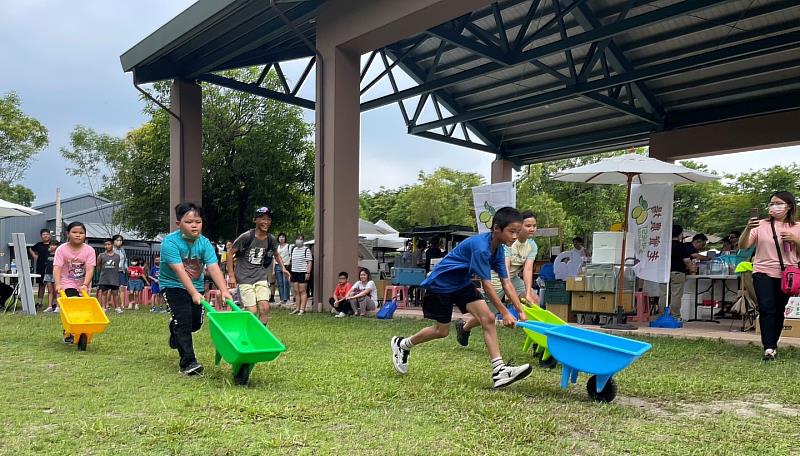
(334, 391)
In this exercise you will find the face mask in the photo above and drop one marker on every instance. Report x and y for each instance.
(298, 243)
(777, 212)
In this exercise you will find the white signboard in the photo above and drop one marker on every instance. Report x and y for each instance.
(488, 198)
(649, 240)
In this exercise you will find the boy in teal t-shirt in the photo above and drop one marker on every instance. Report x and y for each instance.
(185, 253)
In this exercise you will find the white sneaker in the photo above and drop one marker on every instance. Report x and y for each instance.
(293, 312)
(301, 312)
(341, 315)
(506, 375)
(399, 355)
(56, 310)
(119, 310)
(48, 310)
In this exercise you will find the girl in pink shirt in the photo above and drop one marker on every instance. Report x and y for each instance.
(74, 262)
(766, 264)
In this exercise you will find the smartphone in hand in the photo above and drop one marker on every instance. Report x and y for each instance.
(754, 213)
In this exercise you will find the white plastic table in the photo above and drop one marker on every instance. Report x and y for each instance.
(14, 279)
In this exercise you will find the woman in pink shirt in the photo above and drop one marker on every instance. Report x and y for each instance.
(767, 265)
(74, 262)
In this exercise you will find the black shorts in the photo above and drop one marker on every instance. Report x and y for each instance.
(108, 287)
(439, 306)
(299, 277)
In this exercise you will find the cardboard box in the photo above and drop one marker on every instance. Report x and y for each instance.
(605, 303)
(576, 283)
(563, 312)
(791, 327)
(581, 301)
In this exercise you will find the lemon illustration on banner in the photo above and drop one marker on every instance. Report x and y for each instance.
(639, 213)
(485, 217)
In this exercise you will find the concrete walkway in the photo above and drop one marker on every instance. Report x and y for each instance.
(690, 330)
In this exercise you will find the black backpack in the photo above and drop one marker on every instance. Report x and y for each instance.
(271, 246)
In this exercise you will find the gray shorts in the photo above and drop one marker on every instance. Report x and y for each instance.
(519, 287)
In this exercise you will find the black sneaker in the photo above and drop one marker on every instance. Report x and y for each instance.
(461, 336)
(399, 355)
(506, 375)
(769, 355)
(194, 368)
(69, 339)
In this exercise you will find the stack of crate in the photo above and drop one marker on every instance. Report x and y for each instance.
(557, 299)
(595, 294)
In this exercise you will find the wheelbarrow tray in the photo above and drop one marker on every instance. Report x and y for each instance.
(582, 350)
(536, 313)
(82, 315)
(590, 351)
(241, 339)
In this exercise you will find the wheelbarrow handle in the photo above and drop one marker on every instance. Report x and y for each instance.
(207, 306)
(537, 326)
(233, 305)
(61, 294)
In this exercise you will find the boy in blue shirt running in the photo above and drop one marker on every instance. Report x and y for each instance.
(185, 253)
(450, 284)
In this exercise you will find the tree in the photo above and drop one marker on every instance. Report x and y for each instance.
(441, 198)
(256, 152)
(16, 194)
(691, 200)
(381, 205)
(21, 137)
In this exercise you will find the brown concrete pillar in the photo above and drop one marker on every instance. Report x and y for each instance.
(501, 171)
(337, 168)
(740, 135)
(185, 144)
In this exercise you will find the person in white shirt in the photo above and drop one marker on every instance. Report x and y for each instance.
(364, 293)
(300, 266)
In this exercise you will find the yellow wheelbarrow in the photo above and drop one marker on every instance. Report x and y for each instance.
(82, 318)
(539, 340)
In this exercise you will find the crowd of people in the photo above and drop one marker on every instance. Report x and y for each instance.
(256, 264)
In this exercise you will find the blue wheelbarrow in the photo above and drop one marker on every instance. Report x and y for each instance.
(598, 354)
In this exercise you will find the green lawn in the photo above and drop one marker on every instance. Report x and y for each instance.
(334, 391)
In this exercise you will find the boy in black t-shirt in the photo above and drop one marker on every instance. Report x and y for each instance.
(39, 254)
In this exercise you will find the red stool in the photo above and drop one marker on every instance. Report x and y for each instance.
(214, 297)
(399, 294)
(642, 308)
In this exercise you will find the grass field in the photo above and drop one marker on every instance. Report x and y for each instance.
(334, 391)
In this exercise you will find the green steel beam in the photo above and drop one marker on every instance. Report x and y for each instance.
(256, 90)
(719, 56)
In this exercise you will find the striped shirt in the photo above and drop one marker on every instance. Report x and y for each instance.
(300, 258)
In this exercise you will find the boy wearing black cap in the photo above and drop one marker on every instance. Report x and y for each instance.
(254, 251)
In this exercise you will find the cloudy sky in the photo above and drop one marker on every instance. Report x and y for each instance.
(62, 58)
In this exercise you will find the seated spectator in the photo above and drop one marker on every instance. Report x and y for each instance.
(339, 301)
(364, 293)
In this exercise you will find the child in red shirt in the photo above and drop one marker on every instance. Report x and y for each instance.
(136, 282)
(339, 300)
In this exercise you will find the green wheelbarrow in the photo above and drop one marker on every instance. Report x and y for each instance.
(241, 340)
(533, 338)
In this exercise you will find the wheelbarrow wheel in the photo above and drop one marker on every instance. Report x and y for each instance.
(83, 340)
(243, 376)
(608, 393)
(548, 363)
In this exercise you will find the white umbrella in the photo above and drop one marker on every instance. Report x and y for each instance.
(629, 169)
(8, 209)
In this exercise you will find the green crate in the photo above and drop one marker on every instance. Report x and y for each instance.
(557, 296)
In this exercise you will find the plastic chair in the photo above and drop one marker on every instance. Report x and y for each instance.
(642, 306)
(398, 293)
